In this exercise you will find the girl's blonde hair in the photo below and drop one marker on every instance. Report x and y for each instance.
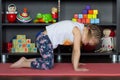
(94, 30)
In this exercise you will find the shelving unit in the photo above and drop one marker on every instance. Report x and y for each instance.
(109, 15)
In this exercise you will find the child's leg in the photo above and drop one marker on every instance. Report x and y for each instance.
(22, 62)
(31, 59)
(46, 50)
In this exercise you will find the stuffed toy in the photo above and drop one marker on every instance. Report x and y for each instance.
(107, 40)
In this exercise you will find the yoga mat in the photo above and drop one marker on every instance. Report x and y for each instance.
(64, 69)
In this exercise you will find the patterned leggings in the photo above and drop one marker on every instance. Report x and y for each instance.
(46, 61)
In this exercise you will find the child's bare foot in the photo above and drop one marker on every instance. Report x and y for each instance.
(18, 64)
(82, 64)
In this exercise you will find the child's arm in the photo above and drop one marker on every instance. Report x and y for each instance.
(76, 50)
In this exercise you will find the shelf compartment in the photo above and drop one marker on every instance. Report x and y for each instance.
(106, 8)
(33, 6)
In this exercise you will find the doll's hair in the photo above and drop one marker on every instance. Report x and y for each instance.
(94, 30)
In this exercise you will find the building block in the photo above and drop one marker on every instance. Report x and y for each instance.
(28, 46)
(74, 20)
(24, 45)
(76, 16)
(95, 11)
(80, 15)
(28, 40)
(85, 16)
(26, 50)
(34, 50)
(97, 21)
(32, 45)
(84, 11)
(83, 20)
(92, 21)
(88, 7)
(87, 20)
(13, 50)
(19, 45)
(94, 16)
(90, 16)
(21, 36)
(90, 11)
(79, 20)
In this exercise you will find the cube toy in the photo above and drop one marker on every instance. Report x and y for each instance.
(87, 7)
(87, 20)
(94, 16)
(74, 20)
(29, 50)
(92, 21)
(28, 45)
(90, 16)
(13, 50)
(95, 11)
(97, 21)
(25, 49)
(90, 11)
(83, 20)
(79, 20)
(85, 16)
(23, 41)
(21, 44)
(19, 41)
(76, 16)
(21, 50)
(14, 41)
(32, 45)
(80, 15)
(84, 11)
(28, 41)
(34, 50)
(21, 36)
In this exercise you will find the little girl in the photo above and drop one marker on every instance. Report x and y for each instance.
(57, 34)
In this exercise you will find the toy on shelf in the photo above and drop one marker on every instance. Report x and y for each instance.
(23, 45)
(11, 13)
(24, 17)
(88, 16)
(54, 12)
(108, 40)
(7, 47)
(44, 18)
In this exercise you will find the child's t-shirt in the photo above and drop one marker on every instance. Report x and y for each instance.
(61, 32)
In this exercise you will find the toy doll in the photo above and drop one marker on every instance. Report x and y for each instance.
(107, 41)
(11, 13)
(54, 12)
